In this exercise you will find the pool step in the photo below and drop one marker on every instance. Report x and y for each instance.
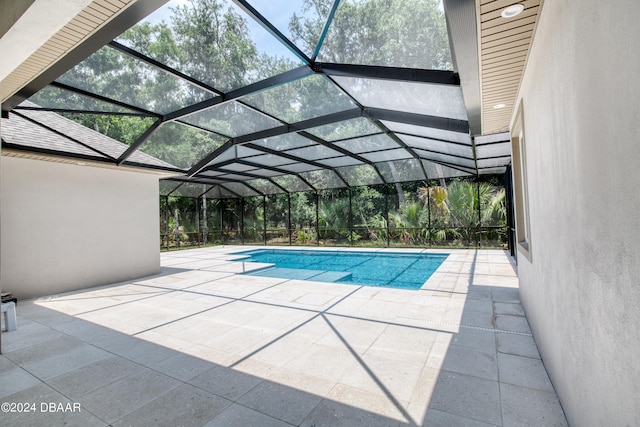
(299, 274)
(331, 276)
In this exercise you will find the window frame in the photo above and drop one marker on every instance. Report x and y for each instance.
(521, 184)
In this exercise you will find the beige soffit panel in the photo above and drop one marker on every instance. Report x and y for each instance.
(503, 50)
(93, 17)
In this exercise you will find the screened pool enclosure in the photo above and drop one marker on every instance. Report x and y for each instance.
(455, 212)
(286, 122)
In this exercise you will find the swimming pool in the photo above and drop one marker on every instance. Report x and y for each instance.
(388, 269)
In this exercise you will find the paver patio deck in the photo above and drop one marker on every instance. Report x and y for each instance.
(201, 345)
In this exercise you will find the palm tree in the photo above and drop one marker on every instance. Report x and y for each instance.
(460, 208)
(409, 223)
(377, 228)
(333, 218)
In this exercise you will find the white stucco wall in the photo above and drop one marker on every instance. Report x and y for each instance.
(67, 227)
(581, 293)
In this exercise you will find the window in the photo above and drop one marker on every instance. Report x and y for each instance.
(520, 184)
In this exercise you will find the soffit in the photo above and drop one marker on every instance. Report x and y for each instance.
(93, 17)
(503, 51)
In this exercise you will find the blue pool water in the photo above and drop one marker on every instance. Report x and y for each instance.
(397, 270)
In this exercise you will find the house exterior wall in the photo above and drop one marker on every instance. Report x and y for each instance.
(581, 290)
(66, 227)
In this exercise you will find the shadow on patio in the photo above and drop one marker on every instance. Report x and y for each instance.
(206, 347)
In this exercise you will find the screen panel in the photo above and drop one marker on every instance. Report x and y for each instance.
(411, 97)
(396, 34)
(231, 119)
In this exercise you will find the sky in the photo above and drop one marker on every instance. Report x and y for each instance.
(279, 12)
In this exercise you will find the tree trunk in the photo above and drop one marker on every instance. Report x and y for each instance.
(204, 219)
(396, 178)
(176, 225)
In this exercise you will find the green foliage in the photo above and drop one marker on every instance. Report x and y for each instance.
(366, 202)
(377, 32)
(215, 43)
(305, 237)
(410, 223)
(303, 210)
(459, 208)
(494, 209)
(179, 223)
(253, 217)
(453, 207)
(205, 39)
(377, 228)
(306, 29)
(121, 128)
(333, 214)
(462, 201)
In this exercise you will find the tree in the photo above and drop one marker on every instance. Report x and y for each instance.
(215, 43)
(460, 208)
(410, 222)
(204, 39)
(253, 219)
(376, 32)
(334, 215)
